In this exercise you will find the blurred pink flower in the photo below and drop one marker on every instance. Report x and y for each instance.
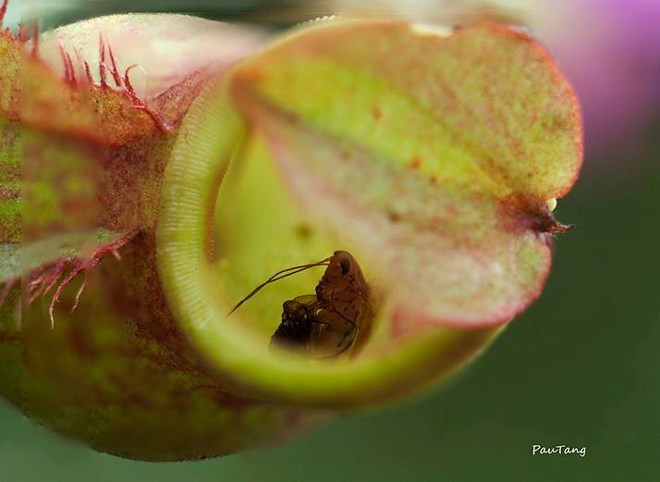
(609, 49)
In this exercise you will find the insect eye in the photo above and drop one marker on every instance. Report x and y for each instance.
(345, 264)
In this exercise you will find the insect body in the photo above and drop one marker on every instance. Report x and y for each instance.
(334, 319)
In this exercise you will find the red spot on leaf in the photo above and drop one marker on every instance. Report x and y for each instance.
(415, 163)
(393, 216)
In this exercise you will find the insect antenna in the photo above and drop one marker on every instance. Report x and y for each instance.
(278, 276)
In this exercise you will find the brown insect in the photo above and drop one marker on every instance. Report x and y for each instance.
(332, 321)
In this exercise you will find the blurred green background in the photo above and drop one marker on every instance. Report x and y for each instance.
(580, 368)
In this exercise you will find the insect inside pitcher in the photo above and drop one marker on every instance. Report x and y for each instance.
(330, 322)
